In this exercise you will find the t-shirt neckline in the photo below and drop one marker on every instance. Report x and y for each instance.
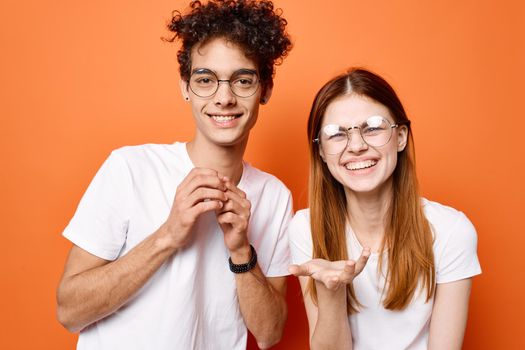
(190, 165)
(353, 237)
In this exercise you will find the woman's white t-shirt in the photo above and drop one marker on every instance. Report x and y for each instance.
(375, 327)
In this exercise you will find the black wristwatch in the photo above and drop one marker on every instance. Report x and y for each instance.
(242, 268)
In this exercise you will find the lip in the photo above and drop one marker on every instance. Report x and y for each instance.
(224, 120)
(358, 159)
(365, 164)
(223, 114)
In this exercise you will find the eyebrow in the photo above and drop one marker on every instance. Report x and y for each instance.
(237, 72)
(201, 71)
(245, 71)
(361, 123)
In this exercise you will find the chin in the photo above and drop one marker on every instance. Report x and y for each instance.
(368, 186)
(228, 140)
(362, 189)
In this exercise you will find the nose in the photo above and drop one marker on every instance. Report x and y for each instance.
(224, 95)
(356, 143)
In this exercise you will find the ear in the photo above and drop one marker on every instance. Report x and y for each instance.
(402, 137)
(265, 96)
(183, 84)
(321, 153)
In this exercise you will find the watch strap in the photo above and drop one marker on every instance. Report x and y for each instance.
(242, 268)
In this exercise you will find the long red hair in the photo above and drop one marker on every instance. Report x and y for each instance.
(408, 236)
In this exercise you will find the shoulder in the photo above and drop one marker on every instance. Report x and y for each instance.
(153, 157)
(302, 217)
(446, 221)
(271, 202)
(146, 151)
(455, 243)
(300, 237)
(299, 228)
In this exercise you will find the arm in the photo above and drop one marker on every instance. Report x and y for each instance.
(262, 300)
(92, 288)
(263, 305)
(449, 315)
(332, 329)
(328, 322)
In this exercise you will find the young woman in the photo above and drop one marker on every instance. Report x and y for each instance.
(379, 266)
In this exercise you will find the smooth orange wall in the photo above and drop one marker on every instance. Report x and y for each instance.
(80, 78)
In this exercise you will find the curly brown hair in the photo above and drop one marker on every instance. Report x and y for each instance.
(254, 26)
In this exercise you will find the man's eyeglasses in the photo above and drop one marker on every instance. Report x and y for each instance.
(243, 83)
(376, 131)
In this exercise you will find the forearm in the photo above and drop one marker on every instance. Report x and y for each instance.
(262, 306)
(332, 329)
(449, 315)
(86, 297)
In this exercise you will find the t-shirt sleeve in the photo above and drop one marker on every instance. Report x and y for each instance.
(281, 256)
(458, 257)
(300, 238)
(100, 222)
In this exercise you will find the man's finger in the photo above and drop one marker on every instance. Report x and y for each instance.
(195, 172)
(227, 218)
(200, 178)
(205, 206)
(230, 186)
(235, 196)
(204, 194)
(237, 204)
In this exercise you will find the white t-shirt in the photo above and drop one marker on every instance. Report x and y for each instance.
(375, 327)
(191, 301)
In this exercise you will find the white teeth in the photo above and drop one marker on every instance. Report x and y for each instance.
(360, 165)
(223, 118)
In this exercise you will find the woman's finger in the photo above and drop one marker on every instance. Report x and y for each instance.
(361, 262)
(299, 270)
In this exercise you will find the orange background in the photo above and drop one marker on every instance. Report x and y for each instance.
(80, 78)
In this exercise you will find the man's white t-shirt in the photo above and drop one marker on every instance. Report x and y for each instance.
(191, 301)
(375, 327)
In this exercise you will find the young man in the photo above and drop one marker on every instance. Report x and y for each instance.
(182, 246)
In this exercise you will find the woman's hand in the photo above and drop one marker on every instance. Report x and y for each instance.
(332, 274)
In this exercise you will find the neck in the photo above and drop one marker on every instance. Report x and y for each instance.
(226, 160)
(367, 213)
